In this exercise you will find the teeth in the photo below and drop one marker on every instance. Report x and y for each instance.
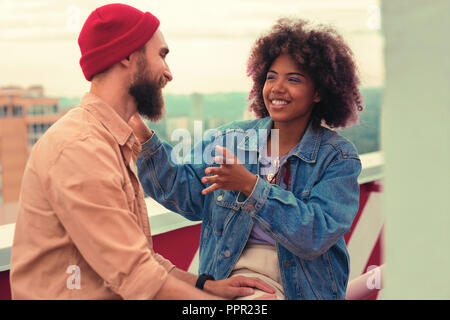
(279, 102)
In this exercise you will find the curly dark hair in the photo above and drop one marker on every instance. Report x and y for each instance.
(324, 55)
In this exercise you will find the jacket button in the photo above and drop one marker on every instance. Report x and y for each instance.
(227, 254)
(219, 198)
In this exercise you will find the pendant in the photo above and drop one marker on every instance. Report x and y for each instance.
(275, 166)
(276, 163)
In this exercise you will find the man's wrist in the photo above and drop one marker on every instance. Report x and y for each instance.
(207, 286)
(202, 279)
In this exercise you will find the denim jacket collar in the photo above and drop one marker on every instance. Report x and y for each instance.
(307, 149)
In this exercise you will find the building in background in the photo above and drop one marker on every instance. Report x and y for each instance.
(25, 114)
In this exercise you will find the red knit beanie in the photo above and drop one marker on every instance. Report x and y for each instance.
(110, 34)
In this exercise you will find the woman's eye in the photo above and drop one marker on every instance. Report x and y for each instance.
(294, 79)
(270, 77)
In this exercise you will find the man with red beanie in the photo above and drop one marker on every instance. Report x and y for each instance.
(82, 231)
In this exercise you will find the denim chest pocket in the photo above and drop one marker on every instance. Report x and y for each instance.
(224, 209)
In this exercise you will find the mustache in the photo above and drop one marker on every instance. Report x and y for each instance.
(162, 82)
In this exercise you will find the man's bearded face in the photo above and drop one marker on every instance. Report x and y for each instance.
(147, 92)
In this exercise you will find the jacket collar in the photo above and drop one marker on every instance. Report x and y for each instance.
(109, 118)
(306, 150)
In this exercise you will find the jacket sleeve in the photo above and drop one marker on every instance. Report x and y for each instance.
(86, 190)
(308, 227)
(177, 186)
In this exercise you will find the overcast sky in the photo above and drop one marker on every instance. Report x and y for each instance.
(209, 40)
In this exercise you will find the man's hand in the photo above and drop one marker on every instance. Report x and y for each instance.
(231, 175)
(140, 129)
(238, 286)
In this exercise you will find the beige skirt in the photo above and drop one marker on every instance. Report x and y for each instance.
(260, 261)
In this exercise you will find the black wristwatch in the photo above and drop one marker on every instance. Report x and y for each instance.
(202, 279)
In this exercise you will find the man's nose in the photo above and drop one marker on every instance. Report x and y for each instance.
(168, 74)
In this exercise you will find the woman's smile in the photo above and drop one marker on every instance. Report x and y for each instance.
(278, 104)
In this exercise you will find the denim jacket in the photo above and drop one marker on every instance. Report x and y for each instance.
(308, 220)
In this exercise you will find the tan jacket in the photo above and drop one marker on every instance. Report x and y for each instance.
(82, 231)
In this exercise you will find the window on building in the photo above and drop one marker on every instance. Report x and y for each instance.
(3, 111)
(36, 130)
(39, 110)
(17, 111)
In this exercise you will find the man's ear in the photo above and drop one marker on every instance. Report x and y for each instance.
(126, 62)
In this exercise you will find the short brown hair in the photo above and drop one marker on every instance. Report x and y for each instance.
(324, 55)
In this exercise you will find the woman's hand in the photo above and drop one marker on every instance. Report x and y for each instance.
(238, 286)
(231, 175)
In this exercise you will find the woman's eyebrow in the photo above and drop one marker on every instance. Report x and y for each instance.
(289, 74)
(296, 74)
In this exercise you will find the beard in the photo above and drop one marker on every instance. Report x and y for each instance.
(147, 94)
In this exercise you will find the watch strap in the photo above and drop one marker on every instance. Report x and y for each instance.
(202, 279)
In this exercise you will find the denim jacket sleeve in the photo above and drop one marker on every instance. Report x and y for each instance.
(309, 227)
(176, 186)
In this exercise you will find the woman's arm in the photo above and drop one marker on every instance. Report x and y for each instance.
(176, 186)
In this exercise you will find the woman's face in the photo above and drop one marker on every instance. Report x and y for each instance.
(289, 93)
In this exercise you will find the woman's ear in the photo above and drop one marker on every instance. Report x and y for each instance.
(316, 97)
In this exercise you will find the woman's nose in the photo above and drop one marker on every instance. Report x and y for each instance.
(278, 87)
